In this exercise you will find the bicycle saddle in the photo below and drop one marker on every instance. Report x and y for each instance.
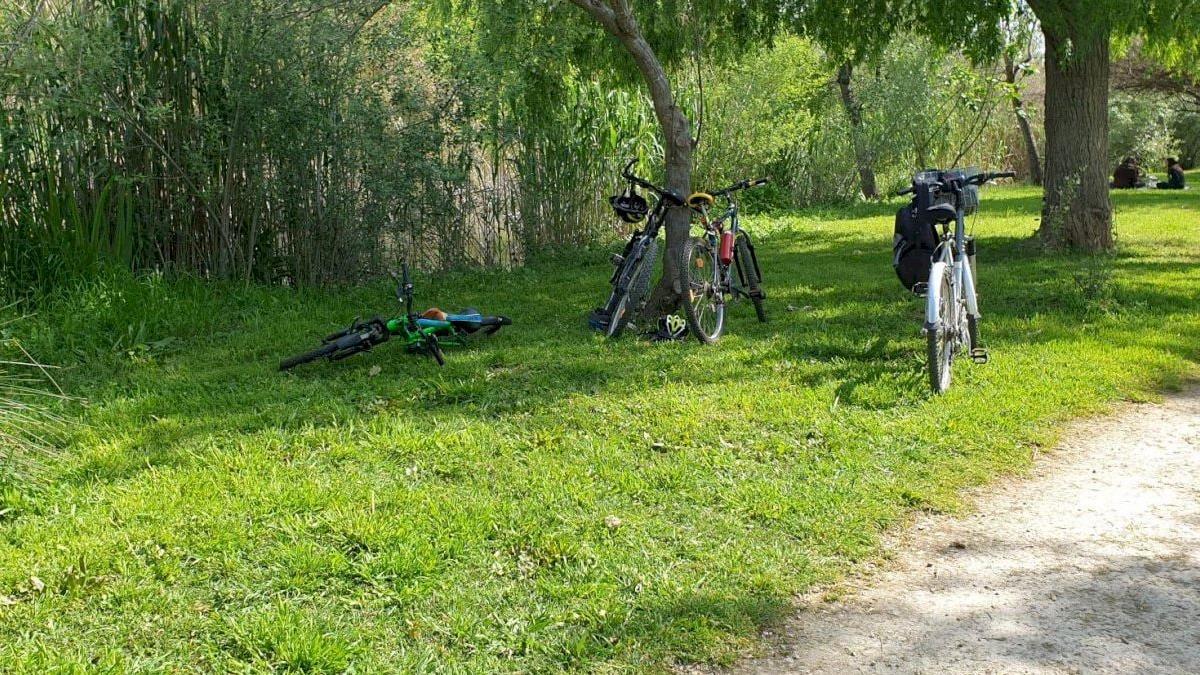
(942, 213)
(700, 199)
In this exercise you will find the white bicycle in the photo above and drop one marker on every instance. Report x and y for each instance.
(951, 306)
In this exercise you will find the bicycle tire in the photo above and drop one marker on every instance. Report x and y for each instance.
(323, 350)
(703, 295)
(639, 285)
(748, 271)
(940, 348)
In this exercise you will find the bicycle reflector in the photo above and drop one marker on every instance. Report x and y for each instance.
(629, 205)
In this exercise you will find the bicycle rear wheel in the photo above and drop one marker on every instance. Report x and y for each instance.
(703, 290)
(323, 350)
(748, 273)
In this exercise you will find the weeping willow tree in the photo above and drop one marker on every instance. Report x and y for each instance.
(536, 42)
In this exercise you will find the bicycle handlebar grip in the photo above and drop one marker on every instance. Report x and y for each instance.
(905, 191)
(761, 181)
(1005, 174)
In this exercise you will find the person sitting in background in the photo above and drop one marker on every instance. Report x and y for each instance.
(1127, 175)
(1175, 179)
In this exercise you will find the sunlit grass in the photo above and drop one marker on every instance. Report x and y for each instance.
(547, 500)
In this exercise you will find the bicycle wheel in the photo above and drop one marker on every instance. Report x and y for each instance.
(323, 350)
(941, 338)
(748, 273)
(703, 293)
(639, 285)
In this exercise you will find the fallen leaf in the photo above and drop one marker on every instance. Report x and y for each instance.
(375, 370)
(37, 584)
(612, 522)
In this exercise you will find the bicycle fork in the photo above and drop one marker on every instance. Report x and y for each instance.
(962, 285)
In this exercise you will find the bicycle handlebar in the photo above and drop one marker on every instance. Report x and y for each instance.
(404, 289)
(740, 185)
(977, 179)
(663, 193)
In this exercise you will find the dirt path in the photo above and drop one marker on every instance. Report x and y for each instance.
(1092, 564)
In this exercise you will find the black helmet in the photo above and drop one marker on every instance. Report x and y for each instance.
(630, 206)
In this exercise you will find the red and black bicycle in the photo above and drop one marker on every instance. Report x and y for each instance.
(719, 264)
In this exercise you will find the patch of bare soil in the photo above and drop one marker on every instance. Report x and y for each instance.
(1090, 565)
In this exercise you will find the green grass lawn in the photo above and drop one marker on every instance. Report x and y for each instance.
(209, 513)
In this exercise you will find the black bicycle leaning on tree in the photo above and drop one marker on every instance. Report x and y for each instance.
(635, 264)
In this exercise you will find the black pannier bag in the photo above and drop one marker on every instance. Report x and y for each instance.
(916, 236)
(912, 247)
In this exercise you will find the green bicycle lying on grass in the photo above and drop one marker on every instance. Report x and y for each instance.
(423, 333)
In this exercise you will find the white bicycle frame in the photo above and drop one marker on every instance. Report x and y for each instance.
(952, 254)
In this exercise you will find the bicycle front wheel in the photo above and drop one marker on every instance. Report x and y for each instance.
(748, 273)
(703, 290)
(639, 284)
(941, 336)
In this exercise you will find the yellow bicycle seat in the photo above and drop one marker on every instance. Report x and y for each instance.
(700, 199)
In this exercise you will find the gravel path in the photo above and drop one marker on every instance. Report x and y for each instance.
(1090, 565)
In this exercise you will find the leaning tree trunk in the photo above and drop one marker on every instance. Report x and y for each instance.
(862, 154)
(1032, 157)
(617, 18)
(1076, 211)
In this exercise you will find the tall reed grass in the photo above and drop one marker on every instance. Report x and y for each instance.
(29, 430)
(315, 142)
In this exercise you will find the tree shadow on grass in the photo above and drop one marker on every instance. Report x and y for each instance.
(852, 331)
(849, 319)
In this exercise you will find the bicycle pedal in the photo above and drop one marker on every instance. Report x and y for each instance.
(979, 355)
(920, 288)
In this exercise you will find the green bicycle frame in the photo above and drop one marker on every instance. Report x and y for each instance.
(443, 330)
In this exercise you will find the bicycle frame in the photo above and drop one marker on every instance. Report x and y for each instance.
(629, 263)
(639, 241)
(951, 253)
(715, 228)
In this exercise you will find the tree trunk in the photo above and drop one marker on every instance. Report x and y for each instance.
(617, 18)
(1076, 211)
(1032, 157)
(862, 155)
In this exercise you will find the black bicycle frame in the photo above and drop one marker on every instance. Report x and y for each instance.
(641, 240)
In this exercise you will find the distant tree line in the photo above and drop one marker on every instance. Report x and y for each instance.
(313, 141)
